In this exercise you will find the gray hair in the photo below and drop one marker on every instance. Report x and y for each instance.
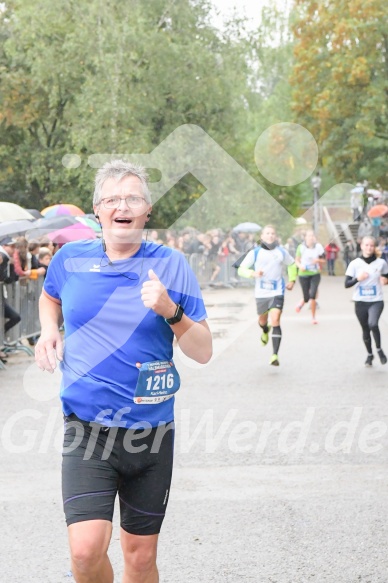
(119, 169)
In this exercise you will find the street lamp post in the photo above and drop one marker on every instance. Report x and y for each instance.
(316, 184)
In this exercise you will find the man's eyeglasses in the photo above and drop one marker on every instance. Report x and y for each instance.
(132, 201)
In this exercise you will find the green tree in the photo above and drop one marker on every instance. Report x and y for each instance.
(271, 59)
(101, 77)
(39, 78)
(340, 82)
(117, 78)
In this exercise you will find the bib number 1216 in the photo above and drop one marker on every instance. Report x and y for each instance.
(158, 381)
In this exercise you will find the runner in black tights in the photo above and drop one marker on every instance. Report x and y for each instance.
(309, 258)
(368, 273)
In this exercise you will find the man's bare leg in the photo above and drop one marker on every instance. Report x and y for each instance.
(89, 541)
(139, 558)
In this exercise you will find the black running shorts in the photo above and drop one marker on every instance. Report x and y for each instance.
(99, 463)
(264, 305)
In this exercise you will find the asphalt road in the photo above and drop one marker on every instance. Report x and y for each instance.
(280, 473)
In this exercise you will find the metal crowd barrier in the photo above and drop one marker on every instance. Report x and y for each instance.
(29, 292)
(217, 270)
(23, 296)
(1, 321)
(1, 315)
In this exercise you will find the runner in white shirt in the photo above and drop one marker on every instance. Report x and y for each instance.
(266, 263)
(368, 274)
(309, 257)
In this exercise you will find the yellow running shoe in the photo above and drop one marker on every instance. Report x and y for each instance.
(274, 360)
(265, 337)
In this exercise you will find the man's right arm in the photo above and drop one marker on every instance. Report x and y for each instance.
(50, 343)
(245, 269)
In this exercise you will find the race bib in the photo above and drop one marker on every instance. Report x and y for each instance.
(268, 284)
(158, 381)
(368, 290)
(312, 267)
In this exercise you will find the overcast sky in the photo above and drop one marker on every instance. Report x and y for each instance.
(249, 8)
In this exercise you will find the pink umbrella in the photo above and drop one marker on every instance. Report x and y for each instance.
(71, 233)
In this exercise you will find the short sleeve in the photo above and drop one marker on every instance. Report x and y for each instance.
(192, 303)
(183, 286)
(384, 268)
(55, 276)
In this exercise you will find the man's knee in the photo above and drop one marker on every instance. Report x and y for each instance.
(139, 553)
(140, 561)
(89, 541)
(86, 556)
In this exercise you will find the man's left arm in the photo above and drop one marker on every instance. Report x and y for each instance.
(292, 270)
(194, 338)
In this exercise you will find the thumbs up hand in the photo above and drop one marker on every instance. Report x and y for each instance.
(155, 296)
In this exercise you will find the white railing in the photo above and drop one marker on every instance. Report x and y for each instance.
(333, 232)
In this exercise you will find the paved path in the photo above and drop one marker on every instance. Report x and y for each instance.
(280, 475)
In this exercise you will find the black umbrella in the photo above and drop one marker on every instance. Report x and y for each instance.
(14, 228)
(35, 213)
(42, 227)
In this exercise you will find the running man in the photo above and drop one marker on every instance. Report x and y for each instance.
(266, 263)
(123, 300)
(368, 273)
(309, 257)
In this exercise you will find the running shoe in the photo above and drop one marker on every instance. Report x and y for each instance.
(383, 358)
(265, 336)
(274, 360)
(315, 321)
(369, 360)
(299, 307)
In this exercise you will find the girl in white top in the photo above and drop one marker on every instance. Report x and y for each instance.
(310, 256)
(368, 274)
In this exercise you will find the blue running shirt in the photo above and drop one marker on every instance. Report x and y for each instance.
(108, 330)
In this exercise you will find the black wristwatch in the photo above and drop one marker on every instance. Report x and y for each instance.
(177, 317)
